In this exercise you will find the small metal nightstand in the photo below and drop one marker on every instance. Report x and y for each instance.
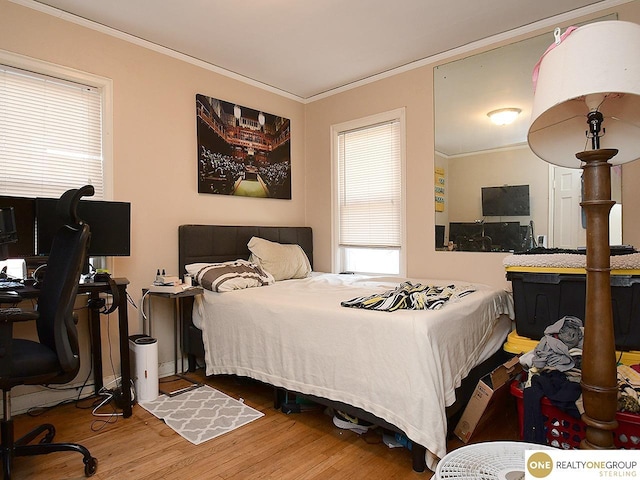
(177, 325)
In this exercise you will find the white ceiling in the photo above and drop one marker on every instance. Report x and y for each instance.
(467, 89)
(306, 48)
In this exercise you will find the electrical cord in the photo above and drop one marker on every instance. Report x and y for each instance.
(37, 411)
(141, 309)
(113, 368)
(131, 301)
(108, 396)
(103, 399)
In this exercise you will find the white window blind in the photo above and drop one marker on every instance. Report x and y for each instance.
(370, 197)
(50, 135)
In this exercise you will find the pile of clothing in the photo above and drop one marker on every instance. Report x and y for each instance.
(629, 388)
(554, 372)
(553, 368)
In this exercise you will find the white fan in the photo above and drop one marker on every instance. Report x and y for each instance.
(486, 461)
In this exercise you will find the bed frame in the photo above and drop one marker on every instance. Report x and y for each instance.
(220, 243)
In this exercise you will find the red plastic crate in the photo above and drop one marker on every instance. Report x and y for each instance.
(564, 431)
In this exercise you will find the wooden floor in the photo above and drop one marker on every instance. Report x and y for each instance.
(295, 446)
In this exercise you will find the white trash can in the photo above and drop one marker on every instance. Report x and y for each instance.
(144, 367)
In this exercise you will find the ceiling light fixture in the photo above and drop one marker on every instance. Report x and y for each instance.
(504, 116)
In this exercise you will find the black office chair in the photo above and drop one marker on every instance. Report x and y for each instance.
(55, 358)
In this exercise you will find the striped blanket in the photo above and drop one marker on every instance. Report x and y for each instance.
(410, 297)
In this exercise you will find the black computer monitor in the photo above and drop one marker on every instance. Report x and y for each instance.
(439, 236)
(25, 219)
(505, 236)
(109, 222)
(460, 230)
(8, 231)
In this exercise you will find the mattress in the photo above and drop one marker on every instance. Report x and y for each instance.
(401, 366)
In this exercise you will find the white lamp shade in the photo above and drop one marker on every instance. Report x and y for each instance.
(597, 59)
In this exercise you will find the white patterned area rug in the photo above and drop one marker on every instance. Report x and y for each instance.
(201, 414)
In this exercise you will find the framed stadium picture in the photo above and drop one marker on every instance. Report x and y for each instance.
(242, 151)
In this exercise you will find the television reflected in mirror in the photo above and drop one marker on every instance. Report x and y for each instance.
(505, 201)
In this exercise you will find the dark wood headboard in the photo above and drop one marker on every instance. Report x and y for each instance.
(222, 243)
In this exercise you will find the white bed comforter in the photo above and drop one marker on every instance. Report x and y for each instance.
(402, 366)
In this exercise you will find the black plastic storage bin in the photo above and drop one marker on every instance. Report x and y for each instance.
(541, 299)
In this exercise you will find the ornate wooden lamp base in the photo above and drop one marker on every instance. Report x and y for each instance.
(599, 381)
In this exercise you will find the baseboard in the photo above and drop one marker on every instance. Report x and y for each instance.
(25, 398)
(166, 369)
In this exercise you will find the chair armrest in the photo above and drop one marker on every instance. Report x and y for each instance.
(12, 315)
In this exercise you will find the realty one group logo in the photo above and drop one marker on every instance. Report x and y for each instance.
(581, 464)
(539, 464)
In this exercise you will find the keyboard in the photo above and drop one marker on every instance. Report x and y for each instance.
(10, 310)
(10, 285)
(8, 313)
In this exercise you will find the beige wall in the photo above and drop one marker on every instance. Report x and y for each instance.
(411, 90)
(517, 166)
(414, 90)
(154, 149)
(154, 146)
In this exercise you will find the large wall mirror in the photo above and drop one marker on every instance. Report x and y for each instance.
(495, 194)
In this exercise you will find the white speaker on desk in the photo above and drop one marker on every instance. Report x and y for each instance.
(542, 241)
(15, 268)
(143, 351)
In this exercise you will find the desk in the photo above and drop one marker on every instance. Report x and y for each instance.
(94, 290)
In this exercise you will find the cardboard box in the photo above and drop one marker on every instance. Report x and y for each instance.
(490, 396)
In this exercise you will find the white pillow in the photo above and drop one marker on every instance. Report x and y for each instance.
(283, 261)
(228, 276)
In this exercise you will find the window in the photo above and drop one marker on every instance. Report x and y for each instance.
(52, 126)
(369, 194)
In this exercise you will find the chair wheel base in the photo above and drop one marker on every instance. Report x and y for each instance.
(90, 466)
(51, 433)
